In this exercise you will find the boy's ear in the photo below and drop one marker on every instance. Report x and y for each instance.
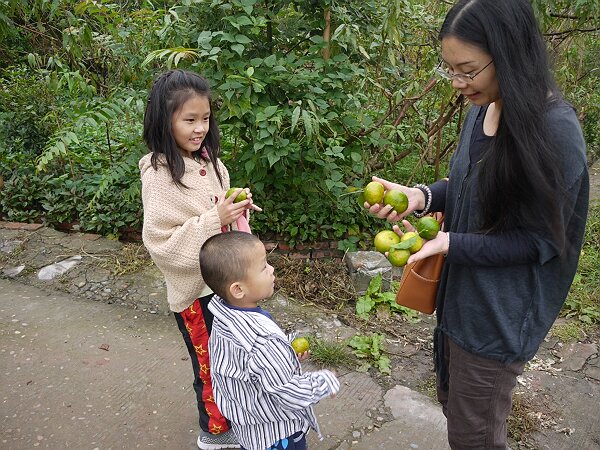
(236, 291)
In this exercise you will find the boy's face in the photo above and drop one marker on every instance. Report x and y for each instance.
(259, 281)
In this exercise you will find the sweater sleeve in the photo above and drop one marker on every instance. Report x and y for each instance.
(271, 367)
(510, 248)
(174, 230)
(438, 196)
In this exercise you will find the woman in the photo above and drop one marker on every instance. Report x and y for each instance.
(515, 206)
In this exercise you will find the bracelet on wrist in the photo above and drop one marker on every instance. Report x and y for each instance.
(427, 193)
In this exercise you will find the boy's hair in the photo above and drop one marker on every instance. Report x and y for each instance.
(224, 259)
(169, 92)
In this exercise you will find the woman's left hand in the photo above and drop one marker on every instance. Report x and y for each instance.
(431, 247)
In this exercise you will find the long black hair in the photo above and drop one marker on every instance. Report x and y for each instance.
(169, 92)
(519, 177)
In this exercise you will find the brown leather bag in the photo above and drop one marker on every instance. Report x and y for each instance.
(419, 282)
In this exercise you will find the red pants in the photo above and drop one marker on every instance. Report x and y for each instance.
(195, 324)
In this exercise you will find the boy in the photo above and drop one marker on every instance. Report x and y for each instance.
(257, 379)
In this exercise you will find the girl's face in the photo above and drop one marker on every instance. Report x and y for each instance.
(463, 57)
(190, 125)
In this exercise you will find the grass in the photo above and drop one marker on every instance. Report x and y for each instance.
(583, 301)
(567, 332)
(428, 387)
(131, 258)
(522, 420)
(330, 354)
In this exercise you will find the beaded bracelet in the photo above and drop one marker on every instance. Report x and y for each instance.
(427, 193)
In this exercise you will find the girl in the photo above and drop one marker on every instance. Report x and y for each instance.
(183, 194)
(515, 209)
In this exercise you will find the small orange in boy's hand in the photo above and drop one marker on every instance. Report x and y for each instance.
(300, 345)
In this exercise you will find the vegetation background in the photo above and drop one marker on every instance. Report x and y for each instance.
(313, 97)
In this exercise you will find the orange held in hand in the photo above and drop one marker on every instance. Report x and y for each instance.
(385, 239)
(428, 227)
(396, 199)
(241, 196)
(414, 248)
(300, 345)
(373, 192)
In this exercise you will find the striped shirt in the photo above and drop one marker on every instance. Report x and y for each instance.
(257, 378)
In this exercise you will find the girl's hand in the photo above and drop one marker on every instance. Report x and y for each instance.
(229, 211)
(416, 201)
(252, 206)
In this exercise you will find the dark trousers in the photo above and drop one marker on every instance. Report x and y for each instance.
(478, 400)
(195, 325)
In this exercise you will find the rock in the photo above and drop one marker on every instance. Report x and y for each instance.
(592, 369)
(574, 356)
(53, 270)
(9, 246)
(13, 271)
(363, 266)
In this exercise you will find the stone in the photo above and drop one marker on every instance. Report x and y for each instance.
(365, 265)
(53, 270)
(7, 246)
(592, 369)
(13, 271)
(574, 356)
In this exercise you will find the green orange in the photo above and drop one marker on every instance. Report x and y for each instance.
(427, 227)
(398, 256)
(241, 196)
(418, 241)
(397, 199)
(385, 239)
(300, 345)
(373, 192)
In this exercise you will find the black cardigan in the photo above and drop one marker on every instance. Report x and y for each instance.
(492, 301)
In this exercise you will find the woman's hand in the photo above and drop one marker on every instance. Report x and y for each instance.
(416, 201)
(438, 245)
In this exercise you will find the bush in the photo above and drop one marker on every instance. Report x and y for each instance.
(22, 195)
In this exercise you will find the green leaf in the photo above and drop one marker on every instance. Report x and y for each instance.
(270, 110)
(273, 159)
(295, 117)
(406, 244)
(306, 119)
(270, 60)
(238, 48)
(242, 39)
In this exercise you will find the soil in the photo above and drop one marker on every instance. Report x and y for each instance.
(315, 297)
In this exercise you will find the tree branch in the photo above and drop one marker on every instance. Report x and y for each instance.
(574, 30)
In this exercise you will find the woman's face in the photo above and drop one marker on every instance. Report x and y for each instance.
(462, 57)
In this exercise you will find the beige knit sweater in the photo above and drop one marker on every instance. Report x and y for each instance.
(177, 221)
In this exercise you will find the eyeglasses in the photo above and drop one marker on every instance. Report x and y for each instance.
(462, 77)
